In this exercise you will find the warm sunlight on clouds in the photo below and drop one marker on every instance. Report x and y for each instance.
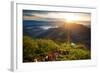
(82, 18)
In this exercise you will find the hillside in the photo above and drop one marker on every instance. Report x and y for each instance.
(78, 33)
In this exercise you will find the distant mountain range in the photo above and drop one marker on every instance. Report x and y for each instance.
(77, 32)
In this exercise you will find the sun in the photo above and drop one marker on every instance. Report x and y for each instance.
(71, 18)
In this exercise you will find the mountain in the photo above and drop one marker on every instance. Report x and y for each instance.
(76, 32)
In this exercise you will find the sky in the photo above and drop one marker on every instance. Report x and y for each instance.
(83, 18)
(52, 15)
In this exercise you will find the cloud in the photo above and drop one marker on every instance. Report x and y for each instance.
(53, 15)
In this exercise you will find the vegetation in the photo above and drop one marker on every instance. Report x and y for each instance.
(49, 50)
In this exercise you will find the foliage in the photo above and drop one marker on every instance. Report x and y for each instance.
(40, 48)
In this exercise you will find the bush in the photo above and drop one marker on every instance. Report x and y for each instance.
(39, 49)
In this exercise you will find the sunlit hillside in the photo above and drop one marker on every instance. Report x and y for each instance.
(37, 50)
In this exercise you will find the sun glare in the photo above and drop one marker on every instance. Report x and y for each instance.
(71, 18)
